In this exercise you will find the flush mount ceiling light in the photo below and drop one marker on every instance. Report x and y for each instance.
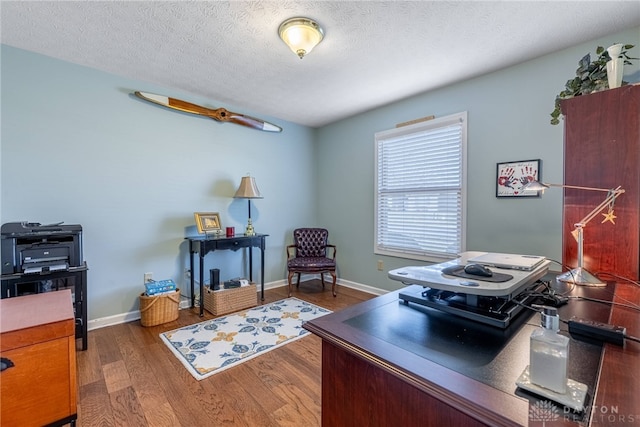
(301, 35)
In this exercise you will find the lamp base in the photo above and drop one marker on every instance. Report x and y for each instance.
(249, 231)
(580, 276)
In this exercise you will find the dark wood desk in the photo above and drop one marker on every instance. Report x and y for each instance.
(385, 363)
(202, 245)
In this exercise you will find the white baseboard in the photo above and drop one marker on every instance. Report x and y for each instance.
(360, 287)
(186, 303)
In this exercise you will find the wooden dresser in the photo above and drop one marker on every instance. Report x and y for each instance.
(37, 342)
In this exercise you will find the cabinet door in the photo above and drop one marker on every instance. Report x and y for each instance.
(602, 149)
(40, 388)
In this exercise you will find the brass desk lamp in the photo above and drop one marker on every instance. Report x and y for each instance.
(579, 275)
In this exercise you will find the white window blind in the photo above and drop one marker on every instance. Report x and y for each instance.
(420, 189)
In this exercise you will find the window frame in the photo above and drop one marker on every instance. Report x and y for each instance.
(406, 132)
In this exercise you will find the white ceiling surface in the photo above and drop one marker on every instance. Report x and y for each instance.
(374, 52)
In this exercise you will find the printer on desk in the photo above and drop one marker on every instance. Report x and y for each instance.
(40, 258)
(32, 248)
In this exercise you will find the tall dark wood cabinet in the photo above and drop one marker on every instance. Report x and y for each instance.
(602, 149)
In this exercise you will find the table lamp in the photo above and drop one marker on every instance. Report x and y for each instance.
(248, 190)
(579, 275)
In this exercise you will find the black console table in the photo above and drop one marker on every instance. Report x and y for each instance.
(75, 278)
(202, 245)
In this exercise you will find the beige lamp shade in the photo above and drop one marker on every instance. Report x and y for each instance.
(248, 189)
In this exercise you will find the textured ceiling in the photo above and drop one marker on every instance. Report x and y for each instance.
(374, 52)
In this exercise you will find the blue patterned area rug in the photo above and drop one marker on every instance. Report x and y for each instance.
(212, 346)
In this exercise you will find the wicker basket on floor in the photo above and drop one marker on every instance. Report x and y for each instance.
(230, 300)
(158, 309)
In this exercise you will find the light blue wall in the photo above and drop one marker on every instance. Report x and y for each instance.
(78, 147)
(508, 119)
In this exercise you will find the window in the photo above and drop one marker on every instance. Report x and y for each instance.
(420, 189)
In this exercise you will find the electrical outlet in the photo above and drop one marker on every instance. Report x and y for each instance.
(148, 277)
(380, 265)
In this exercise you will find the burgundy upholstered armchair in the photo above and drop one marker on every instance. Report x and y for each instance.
(310, 255)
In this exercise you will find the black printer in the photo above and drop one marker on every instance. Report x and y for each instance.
(33, 248)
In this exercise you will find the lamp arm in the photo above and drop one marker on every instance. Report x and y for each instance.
(613, 194)
(578, 187)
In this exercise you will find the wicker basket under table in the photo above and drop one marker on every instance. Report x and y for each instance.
(226, 301)
(158, 309)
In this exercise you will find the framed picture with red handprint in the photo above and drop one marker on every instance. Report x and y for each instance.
(512, 176)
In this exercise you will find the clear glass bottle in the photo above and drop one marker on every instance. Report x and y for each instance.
(549, 353)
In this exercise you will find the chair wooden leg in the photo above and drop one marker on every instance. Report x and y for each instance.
(291, 273)
(322, 279)
(333, 285)
(298, 282)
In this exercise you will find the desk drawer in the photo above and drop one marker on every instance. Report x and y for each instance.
(40, 388)
(234, 243)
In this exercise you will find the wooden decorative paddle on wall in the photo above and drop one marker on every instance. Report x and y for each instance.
(219, 114)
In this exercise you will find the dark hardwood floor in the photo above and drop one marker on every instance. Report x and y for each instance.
(128, 377)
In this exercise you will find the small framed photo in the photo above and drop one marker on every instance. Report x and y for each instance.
(208, 222)
(512, 176)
